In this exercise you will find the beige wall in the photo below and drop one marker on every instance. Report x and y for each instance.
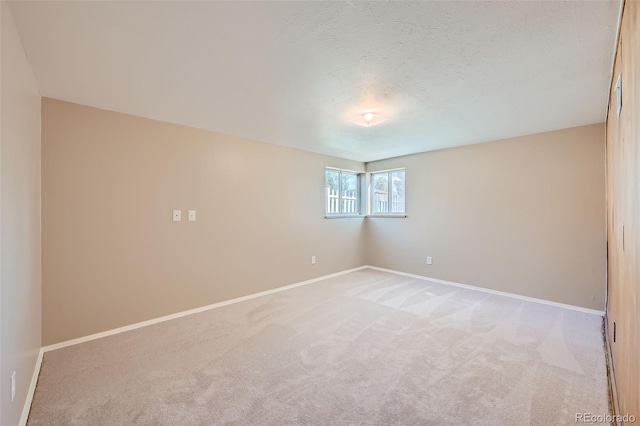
(623, 214)
(523, 215)
(111, 254)
(19, 221)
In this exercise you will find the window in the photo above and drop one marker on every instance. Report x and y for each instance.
(343, 197)
(342, 192)
(387, 192)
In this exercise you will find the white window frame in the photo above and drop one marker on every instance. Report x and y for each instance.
(370, 190)
(357, 200)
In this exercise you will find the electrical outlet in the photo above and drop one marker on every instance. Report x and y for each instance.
(13, 386)
(429, 262)
(192, 215)
(313, 260)
(177, 215)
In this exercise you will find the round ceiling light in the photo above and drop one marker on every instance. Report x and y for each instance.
(368, 118)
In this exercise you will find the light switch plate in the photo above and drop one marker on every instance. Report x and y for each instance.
(177, 215)
(192, 215)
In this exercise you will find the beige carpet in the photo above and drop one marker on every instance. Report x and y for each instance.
(364, 348)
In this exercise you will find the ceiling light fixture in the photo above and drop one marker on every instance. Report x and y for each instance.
(368, 116)
(367, 119)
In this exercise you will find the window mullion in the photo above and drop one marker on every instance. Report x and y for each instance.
(389, 193)
(340, 192)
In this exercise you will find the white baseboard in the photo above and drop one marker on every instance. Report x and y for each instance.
(32, 389)
(190, 312)
(313, 280)
(500, 293)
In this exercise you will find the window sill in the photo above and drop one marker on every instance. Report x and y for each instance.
(355, 216)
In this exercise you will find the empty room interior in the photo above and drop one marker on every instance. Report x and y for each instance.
(319, 213)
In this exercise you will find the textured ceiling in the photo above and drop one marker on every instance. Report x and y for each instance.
(295, 73)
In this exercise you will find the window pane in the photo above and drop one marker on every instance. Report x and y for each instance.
(380, 192)
(397, 191)
(349, 193)
(332, 179)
